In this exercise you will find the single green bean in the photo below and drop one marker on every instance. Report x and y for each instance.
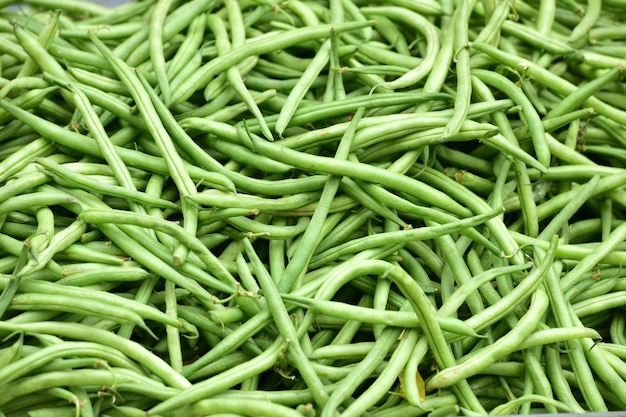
(369, 315)
(575, 99)
(219, 383)
(387, 377)
(537, 39)
(462, 60)
(226, 406)
(579, 33)
(532, 119)
(85, 144)
(503, 346)
(66, 176)
(398, 237)
(38, 52)
(214, 198)
(349, 384)
(260, 46)
(509, 302)
(155, 39)
(89, 334)
(354, 170)
(135, 50)
(297, 93)
(546, 78)
(119, 217)
(232, 73)
(66, 303)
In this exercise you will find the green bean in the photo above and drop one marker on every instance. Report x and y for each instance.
(501, 347)
(155, 37)
(285, 326)
(386, 378)
(269, 231)
(397, 238)
(373, 357)
(249, 407)
(216, 198)
(297, 93)
(79, 142)
(579, 33)
(462, 59)
(597, 304)
(71, 6)
(546, 78)
(156, 128)
(111, 216)
(65, 176)
(261, 46)
(537, 39)
(543, 337)
(35, 301)
(25, 82)
(233, 75)
(244, 155)
(85, 278)
(231, 112)
(109, 32)
(575, 100)
(532, 119)
(82, 332)
(38, 52)
(353, 170)
(221, 381)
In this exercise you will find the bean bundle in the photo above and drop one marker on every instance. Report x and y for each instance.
(312, 208)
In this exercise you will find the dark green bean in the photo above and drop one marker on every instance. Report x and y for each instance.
(258, 47)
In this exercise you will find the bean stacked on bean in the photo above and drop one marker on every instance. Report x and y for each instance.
(312, 208)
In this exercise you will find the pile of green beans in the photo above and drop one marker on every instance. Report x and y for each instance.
(324, 208)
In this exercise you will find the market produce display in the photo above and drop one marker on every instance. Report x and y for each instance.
(384, 208)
